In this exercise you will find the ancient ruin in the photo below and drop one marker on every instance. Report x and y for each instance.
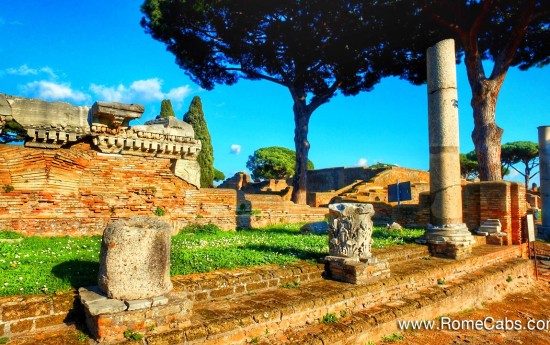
(447, 235)
(135, 259)
(350, 230)
(350, 241)
(544, 161)
(134, 282)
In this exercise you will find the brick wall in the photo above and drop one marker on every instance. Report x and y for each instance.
(77, 191)
(496, 200)
(480, 201)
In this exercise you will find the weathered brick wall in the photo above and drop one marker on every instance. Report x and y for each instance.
(78, 191)
(413, 215)
(470, 205)
(480, 201)
(323, 180)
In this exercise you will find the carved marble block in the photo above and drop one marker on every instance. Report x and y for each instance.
(350, 241)
(350, 230)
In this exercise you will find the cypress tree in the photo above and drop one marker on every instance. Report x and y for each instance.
(166, 109)
(195, 117)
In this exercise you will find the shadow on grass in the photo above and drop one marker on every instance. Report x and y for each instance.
(294, 252)
(77, 272)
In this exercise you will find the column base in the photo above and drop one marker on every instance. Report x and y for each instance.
(449, 241)
(107, 319)
(543, 232)
(353, 271)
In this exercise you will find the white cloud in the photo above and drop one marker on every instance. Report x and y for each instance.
(235, 149)
(54, 91)
(24, 70)
(361, 162)
(148, 89)
(109, 94)
(178, 94)
(140, 91)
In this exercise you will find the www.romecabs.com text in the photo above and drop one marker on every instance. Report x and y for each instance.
(488, 324)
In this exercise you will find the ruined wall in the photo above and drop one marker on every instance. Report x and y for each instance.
(480, 201)
(323, 180)
(77, 191)
(375, 189)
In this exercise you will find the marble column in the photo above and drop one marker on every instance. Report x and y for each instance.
(544, 160)
(447, 235)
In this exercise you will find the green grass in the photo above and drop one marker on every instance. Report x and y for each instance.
(49, 265)
(9, 235)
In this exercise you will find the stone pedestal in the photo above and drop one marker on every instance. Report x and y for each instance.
(135, 258)
(134, 283)
(350, 241)
(107, 319)
(446, 235)
(357, 272)
(492, 229)
(544, 160)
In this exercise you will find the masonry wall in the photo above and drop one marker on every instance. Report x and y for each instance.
(480, 201)
(77, 191)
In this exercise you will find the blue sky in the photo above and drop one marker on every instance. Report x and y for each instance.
(88, 51)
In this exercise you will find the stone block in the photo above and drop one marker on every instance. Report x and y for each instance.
(135, 258)
(317, 228)
(187, 170)
(490, 226)
(350, 230)
(138, 304)
(357, 272)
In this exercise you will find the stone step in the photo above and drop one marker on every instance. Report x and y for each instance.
(234, 283)
(25, 315)
(371, 324)
(237, 320)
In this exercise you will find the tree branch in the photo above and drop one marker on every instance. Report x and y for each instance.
(507, 54)
(316, 101)
(255, 74)
(474, 31)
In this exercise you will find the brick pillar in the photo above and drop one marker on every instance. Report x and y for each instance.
(447, 235)
(544, 160)
(519, 211)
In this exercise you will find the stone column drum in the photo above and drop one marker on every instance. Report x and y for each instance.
(350, 240)
(446, 235)
(135, 259)
(544, 160)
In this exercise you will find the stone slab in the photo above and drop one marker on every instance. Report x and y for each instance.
(187, 170)
(105, 306)
(138, 304)
(158, 301)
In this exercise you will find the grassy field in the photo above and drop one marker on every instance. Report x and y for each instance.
(52, 265)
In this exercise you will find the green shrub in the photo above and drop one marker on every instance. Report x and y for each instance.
(159, 212)
(392, 338)
(329, 318)
(8, 188)
(131, 335)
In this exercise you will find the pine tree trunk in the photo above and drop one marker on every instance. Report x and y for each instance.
(486, 134)
(301, 121)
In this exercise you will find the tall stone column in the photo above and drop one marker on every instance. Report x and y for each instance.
(447, 235)
(544, 160)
